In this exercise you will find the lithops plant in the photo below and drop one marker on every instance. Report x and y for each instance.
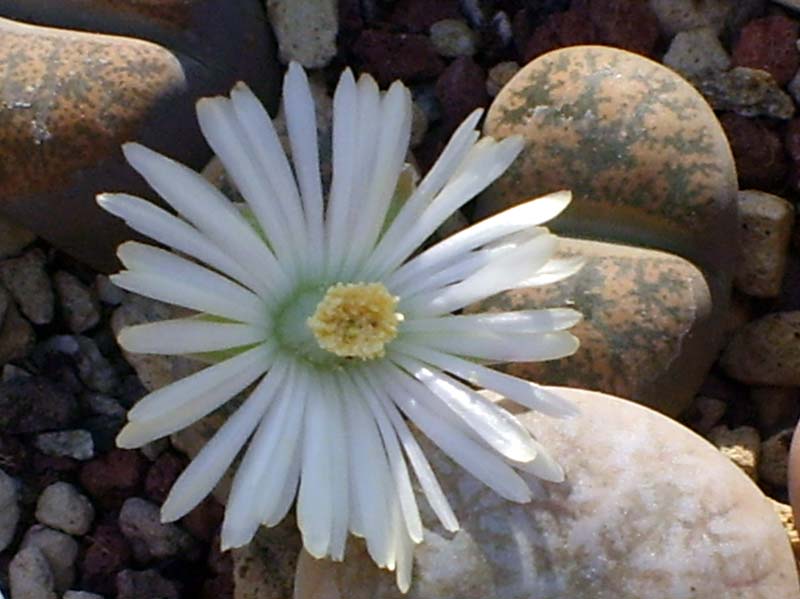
(654, 214)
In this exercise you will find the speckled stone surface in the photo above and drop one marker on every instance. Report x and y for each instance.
(643, 312)
(81, 77)
(649, 166)
(649, 510)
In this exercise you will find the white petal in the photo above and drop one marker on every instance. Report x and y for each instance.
(497, 427)
(506, 347)
(345, 143)
(250, 486)
(207, 468)
(517, 390)
(389, 156)
(520, 321)
(501, 274)
(370, 481)
(490, 161)
(451, 157)
(422, 469)
(397, 463)
(210, 211)
(340, 502)
(519, 218)
(229, 299)
(314, 509)
(187, 336)
(554, 271)
(405, 561)
(158, 224)
(301, 123)
(544, 466)
(223, 379)
(230, 141)
(269, 156)
(483, 464)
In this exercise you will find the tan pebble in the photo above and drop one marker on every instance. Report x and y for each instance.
(787, 519)
(742, 445)
(766, 222)
(499, 75)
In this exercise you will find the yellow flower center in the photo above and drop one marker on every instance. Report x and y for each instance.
(356, 320)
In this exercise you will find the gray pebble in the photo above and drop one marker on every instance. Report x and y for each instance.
(30, 576)
(79, 307)
(76, 444)
(61, 506)
(453, 38)
(60, 550)
(9, 509)
(81, 595)
(140, 522)
(107, 292)
(28, 282)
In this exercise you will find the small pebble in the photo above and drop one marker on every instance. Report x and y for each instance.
(107, 292)
(104, 405)
(741, 445)
(9, 509)
(147, 583)
(419, 125)
(499, 75)
(453, 38)
(11, 372)
(696, 52)
(30, 576)
(745, 91)
(775, 407)
(112, 477)
(76, 444)
(107, 553)
(81, 595)
(787, 519)
(708, 411)
(79, 307)
(769, 43)
(28, 282)
(766, 351)
(155, 448)
(766, 229)
(305, 31)
(140, 522)
(61, 506)
(60, 549)
(773, 466)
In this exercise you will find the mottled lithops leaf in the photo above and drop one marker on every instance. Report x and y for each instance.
(648, 510)
(645, 157)
(81, 77)
(647, 315)
(649, 166)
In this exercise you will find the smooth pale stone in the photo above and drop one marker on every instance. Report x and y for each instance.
(649, 510)
(646, 329)
(696, 52)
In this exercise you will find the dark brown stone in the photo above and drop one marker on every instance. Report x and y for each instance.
(388, 56)
(34, 404)
(162, 474)
(461, 88)
(769, 44)
(113, 477)
(108, 552)
(132, 584)
(758, 151)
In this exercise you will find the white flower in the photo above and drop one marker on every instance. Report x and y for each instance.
(344, 335)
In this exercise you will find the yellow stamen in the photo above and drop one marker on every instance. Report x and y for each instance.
(356, 320)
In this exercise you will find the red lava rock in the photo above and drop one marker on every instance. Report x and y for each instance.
(461, 88)
(113, 477)
(629, 25)
(132, 584)
(419, 15)
(34, 404)
(561, 29)
(389, 56)
(769, 44)
(162, 474)
(107, 553)
(758, 151)
(204, 520)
